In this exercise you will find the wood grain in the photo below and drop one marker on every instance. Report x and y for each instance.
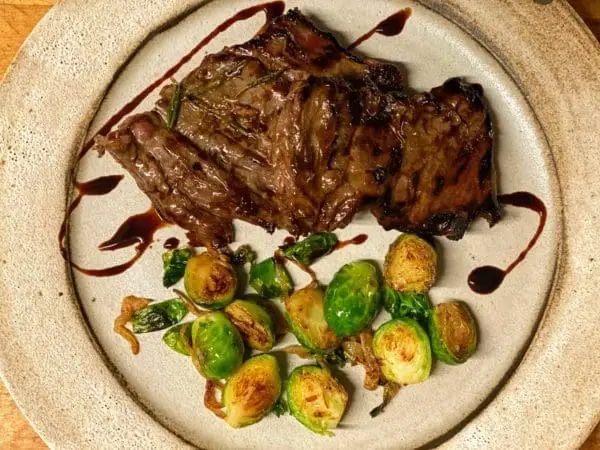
(17, 19)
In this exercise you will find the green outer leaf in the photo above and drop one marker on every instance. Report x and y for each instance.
(218, 344)
(353, 298)
(407, 304)
(270, 279)
(173, 111)
(173, 338)
(439, 347)
(158, 316)
(309, 249)
(174, 262)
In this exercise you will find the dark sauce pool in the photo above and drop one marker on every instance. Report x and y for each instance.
(486, 279)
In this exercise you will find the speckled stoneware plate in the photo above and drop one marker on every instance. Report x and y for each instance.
(533, 382)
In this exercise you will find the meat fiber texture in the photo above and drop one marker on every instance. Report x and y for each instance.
(289, 130)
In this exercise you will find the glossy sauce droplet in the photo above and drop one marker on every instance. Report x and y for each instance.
(356, 240)
(137, 230)
(486, 279)
(171, 243)
(97, 186)
(391, 26)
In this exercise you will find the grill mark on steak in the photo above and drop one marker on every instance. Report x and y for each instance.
(290, 130)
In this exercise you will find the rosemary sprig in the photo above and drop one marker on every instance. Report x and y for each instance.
(264, 79)
(173, 111)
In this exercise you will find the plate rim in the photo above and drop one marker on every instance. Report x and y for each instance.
(488, 422)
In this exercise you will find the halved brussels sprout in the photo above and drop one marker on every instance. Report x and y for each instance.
(309, 249)
(174, 262)
(210, 281)
(304, 311)
(179, 338)
(158, 316)
(217, 347)
(414, 305)
(403, 350)
(353, 298)
(254, 323)
(453, 332)
(251, 393)
(315, 398)
(410, 264)
(270, 279)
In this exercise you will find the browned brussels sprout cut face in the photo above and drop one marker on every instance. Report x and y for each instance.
(304, 310)
(453, 332)
(210, 280)
(254, 323)
(410, 264)
(403, 350)
(252, 392)
(316, 399)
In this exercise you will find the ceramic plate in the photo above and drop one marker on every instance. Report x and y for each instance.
(533, 381)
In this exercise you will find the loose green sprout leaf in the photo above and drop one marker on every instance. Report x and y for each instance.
(252, 392)
(316, 399)
(304, 312)
(244, 254)
(217, 347)
(390, 390)
(158, 316)
(210, 281)
(410, 264)
(173, 111)
(179, 338)
(174, 262)
(281, 407)
(353, 298)
(270, 279)
(308, 250)
(407, 304)
(403, 350)
(453, 332)
(337, 358)
(254, 323)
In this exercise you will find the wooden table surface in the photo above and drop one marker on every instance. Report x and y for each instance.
(17, 19)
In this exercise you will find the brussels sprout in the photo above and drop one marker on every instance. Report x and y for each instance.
(174, 262)
(254, 323)
(210, 281)
(308, 250)
(179, 338)
(244, 254)
(410, 264)
(217, 347)
(403, 350)
(158, 316)
(304, 312)
(315, 398)
(270, 279)
(453, 332)
(407, 304)
(252, 392)
(353, 298)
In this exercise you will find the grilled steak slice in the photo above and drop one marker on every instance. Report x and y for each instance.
(291, 131)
